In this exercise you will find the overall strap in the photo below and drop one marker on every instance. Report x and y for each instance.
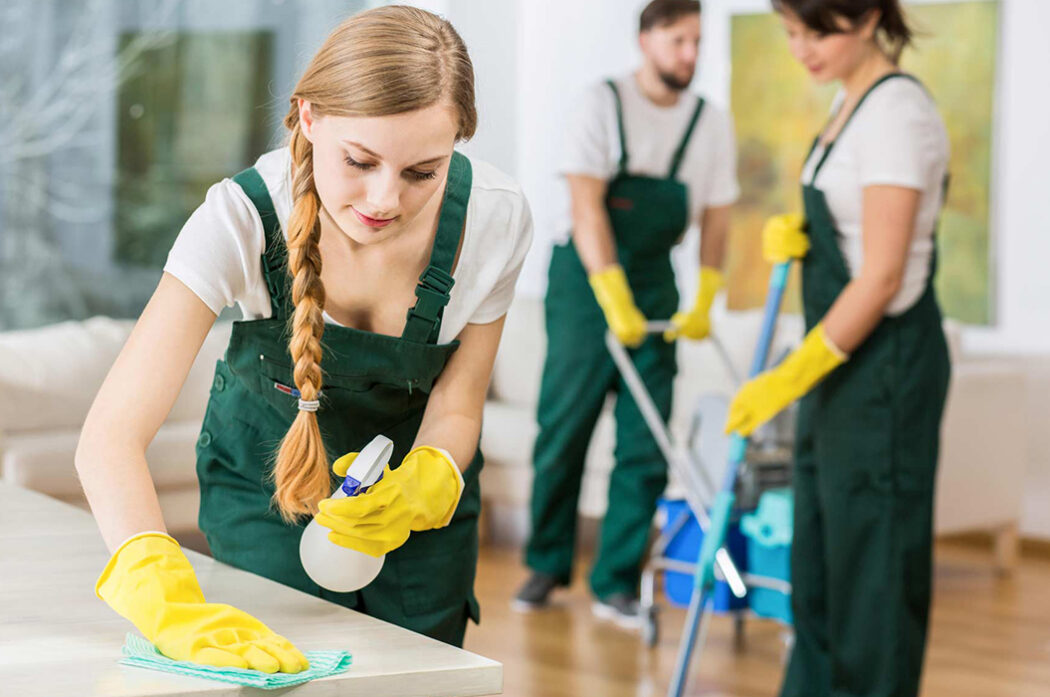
(827, 150)
(945, 186)
(274, 258)
(680, 152)
(619, 125)
(435, 283)
(812, 148)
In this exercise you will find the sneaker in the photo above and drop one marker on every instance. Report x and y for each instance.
(620, 608)
(535, 594)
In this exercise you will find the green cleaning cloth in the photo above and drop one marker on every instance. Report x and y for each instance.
(141, 653)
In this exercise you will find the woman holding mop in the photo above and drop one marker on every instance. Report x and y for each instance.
(873, 369)
(373, 265)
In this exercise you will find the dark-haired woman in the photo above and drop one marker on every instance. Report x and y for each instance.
(874, 366)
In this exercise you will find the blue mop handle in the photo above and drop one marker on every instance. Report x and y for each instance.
(723, 504)
(714, 538)
(777, 283)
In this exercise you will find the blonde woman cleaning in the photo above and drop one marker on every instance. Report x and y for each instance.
(373, 265)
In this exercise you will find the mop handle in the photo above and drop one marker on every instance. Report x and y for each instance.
(678, 464)
(701, 603)
(723, 504)
(777, 283)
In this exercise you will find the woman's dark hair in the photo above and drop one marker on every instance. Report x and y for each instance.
(824, 16)
(660, 13)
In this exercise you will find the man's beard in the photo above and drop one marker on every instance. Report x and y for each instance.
(672, 82)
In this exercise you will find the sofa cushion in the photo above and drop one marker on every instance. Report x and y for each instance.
(507, 440)
(510, 425)
(50, 375)
(519, 364)
(518, 368)
(179, 507)
(44, 461)
(981, 472)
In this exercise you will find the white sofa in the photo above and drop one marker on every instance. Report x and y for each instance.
(48, 379)
(510, 418)
(984, 451)
(49, 376)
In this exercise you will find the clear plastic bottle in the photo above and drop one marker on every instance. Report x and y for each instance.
(331, 566)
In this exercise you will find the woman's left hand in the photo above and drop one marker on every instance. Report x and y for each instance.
(421, 494)
(784, 238)
(762, 398)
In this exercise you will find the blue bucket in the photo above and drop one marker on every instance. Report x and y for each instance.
(685, 546)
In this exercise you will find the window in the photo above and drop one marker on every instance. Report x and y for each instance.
(115, 118)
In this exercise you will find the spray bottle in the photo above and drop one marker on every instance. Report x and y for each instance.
(330, 565)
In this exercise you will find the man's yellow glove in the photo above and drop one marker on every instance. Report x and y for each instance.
(421, 494)
(696, 323)
(150, 582)
(784, 238)
(760, 399)
(614, 296)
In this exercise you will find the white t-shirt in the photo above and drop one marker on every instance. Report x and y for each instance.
(218, 252)
(591, 145)
(895, 138)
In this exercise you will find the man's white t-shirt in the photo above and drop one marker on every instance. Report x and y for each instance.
(895, 138)
(218, 252)
(592, 145)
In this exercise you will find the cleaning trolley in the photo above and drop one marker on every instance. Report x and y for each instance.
(750, 515)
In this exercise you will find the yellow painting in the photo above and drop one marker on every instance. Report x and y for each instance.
(778, 110)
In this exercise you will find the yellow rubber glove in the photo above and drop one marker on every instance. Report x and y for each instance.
(784, 238)
(696, 323)
(760, 399)
(614, 296)
(421, 494)
(150, 582)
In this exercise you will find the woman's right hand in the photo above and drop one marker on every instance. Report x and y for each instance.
(149, 581)
(784, 238)
(614, 296)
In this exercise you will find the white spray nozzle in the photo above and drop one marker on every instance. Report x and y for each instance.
(367, 467)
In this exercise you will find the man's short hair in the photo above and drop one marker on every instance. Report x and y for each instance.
(660, 13)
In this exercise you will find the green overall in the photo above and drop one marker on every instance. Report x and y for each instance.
(373, 384)
(866, 455)
(649, 215)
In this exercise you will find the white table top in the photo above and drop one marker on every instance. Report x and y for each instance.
(57, 638)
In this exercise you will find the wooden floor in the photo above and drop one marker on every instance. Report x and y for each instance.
(990, 637)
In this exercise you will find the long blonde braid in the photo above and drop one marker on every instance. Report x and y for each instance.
(389, 60)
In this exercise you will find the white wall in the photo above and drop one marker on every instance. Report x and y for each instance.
(1020, 214)
(561, 45)
(564, 45)
(490, 31)
(1021, 210)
